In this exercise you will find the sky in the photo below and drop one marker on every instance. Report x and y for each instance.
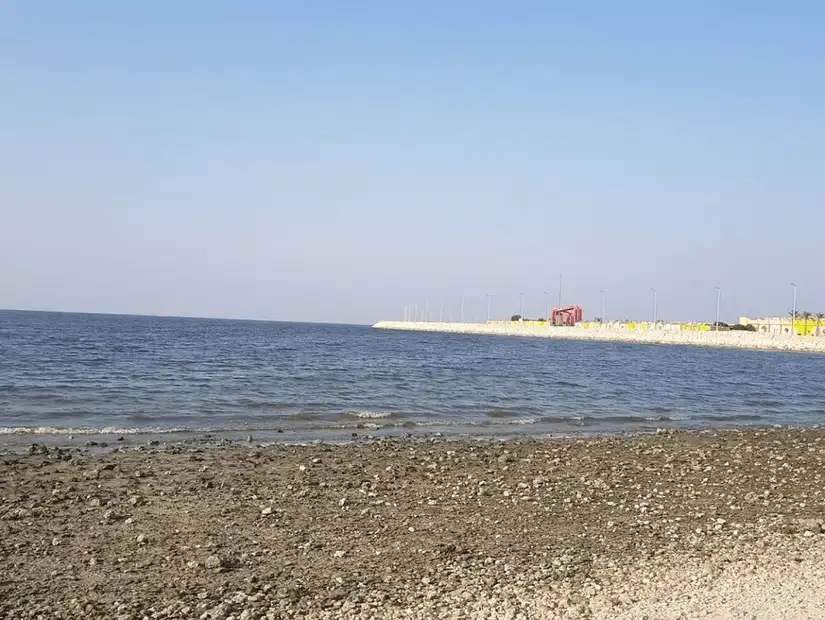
(336, 161)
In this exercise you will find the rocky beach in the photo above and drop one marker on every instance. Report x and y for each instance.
(714, 524)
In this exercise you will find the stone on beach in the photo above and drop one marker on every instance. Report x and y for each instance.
(670, 525)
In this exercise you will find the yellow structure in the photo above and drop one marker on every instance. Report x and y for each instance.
(695, 327)
(782, 325)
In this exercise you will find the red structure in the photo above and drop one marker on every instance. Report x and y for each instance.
(569, 315)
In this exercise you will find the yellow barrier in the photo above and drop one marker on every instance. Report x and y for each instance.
(694, 327)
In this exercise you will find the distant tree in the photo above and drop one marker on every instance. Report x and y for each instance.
(806, 316)
(515, 317)
(819, 316)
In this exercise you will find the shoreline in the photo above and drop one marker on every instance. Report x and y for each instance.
(669, 525)
(92, 441)
(725, 340)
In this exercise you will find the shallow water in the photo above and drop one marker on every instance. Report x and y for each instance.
(90, 375)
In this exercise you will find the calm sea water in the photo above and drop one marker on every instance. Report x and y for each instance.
(97, 375)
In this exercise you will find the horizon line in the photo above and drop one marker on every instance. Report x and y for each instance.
(177, 316)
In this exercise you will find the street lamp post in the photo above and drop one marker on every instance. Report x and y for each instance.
(655, 305)
(549, 297)
(426, 310)
(560, 275)
(462, 308)
(489, 306)
(604, 303)
(718, 299)
(441, 312)
(793, 312)
(521, 295)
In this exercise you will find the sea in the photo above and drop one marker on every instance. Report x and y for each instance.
(109, 379)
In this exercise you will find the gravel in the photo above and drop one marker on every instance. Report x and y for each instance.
(725, 524)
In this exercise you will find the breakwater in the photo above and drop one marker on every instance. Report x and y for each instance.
(615, 333)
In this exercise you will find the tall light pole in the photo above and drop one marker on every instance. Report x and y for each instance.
(462, 308)
(655, 304)
(549, 297)
(426, 310)
(793, 313)
(441, 312)
(718, 299)
(489, 306)
(604, 303)
(521, 295)
(560, 290)
(415, 314)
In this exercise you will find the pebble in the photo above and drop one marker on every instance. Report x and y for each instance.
(581, 547)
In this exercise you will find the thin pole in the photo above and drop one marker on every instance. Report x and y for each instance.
(441, 312)
(426, 310)
(604, 299)
(560, 290)
(793, 313)
(718, 300)
(655, 304)
(415, 315)
(549, 296)
(489, 306)
(522, 306)
(462, 308)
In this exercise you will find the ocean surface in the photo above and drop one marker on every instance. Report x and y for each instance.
(78, 377)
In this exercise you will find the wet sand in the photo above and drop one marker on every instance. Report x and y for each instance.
(723, 524)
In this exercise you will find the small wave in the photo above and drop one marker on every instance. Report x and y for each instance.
(741, 417)
(763, 403)
(585, 420)
(368, 415)
(50, 430)
(660, 410)
(496, 422)
(501, 413)
(304, 415)
(428, 424)
(571, 384)
(253, 403)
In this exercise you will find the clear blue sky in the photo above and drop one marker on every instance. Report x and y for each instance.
(332, 161)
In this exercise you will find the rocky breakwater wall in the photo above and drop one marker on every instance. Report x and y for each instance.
(730, 339)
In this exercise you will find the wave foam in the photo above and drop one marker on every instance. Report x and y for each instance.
(49, 430)
(368, 415)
